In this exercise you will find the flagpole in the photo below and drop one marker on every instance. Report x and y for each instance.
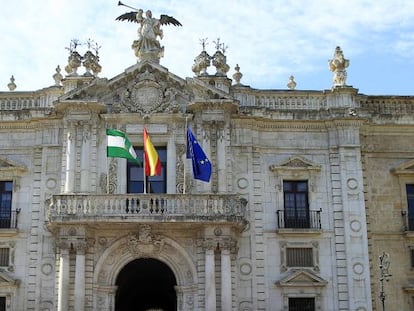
(185, 158)
(107, 175)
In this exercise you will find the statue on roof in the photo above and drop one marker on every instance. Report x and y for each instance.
(338, 65)
(147, 46)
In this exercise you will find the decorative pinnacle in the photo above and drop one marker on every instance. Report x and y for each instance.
(203, 43)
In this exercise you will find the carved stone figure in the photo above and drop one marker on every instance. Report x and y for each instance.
(338, 65)
(147, 47)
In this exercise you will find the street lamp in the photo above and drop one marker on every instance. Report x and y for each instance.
(384, 264)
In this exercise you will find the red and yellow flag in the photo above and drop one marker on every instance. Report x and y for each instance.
(152, 161)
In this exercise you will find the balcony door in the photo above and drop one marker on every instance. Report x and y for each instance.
(135, 174)
(6, 190)
(296, 206)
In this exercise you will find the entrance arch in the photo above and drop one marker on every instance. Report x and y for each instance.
(146, 283)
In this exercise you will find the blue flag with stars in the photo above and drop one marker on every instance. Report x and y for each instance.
(201, 164)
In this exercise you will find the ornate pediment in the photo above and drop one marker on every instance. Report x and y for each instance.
(406, 168)
(295, 163)
(302, 278)
(7, 281)
(10, 168)
(148, 88)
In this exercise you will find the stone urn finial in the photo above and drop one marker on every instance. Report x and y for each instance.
(57, 76)
(237, 75)
(338, 65)
(219, 60)
(291, 83)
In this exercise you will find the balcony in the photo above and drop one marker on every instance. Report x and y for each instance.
(8, 223)
(105, 209)
(310, 223)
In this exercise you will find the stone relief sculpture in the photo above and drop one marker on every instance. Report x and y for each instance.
(147, 46)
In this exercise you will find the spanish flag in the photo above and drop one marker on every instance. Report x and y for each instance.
(152, 161)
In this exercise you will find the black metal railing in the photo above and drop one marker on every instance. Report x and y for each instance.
(9, 221)
(309, 220)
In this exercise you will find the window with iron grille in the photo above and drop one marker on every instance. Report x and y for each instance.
(299, 257)
(6, 189)
(296, 206)
(135, 174)
(4, 257)
(301, 304)
(2, 303)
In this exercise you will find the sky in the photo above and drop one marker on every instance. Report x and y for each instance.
(270, 40)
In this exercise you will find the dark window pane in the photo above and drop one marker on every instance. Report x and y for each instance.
(6, 188)
(301, 304)
(135, 174)
(410, 205)
(296, 204)
(2, 303)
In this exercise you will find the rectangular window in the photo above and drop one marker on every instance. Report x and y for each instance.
(301, 304)
(2, 303)
(135, 174)
(412, 258)
(410, 205)
(299, 257)
(4, 257)
(6, 190)
(296, 206)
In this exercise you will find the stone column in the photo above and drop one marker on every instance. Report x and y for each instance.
(210, 285)
(70, 158)
(80, 276)
(226, 295)
(63, 290)
(85, 160)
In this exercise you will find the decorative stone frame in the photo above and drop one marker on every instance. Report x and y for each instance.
(11, 247)
(10, 171)
(405, 174)
(314, 245)
(144, 244)
(302, 284)
(296, 168)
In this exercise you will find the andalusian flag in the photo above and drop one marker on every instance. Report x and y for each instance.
(119, 146)
(152, 161)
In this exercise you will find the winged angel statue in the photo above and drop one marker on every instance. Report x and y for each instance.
(147, 47)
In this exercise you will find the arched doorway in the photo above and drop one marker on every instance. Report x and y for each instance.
(146, 283)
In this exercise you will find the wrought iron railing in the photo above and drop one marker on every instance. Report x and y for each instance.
(410, 223)
(311, 220)
(167, 206)
(9, 221)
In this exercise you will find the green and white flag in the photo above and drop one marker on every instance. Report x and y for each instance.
(119, 146)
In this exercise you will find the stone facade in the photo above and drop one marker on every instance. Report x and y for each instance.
(76, 239)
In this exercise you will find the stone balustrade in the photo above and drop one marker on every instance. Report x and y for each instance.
(283, 100)
(189, 207)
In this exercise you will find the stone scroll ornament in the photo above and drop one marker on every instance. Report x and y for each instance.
(147, 46)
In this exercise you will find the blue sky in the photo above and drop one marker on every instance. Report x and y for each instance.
(269, 39)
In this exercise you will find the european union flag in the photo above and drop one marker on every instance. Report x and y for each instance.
(201, 164)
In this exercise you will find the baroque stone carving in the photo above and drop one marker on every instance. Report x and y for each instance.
(144, 243)
(147, 96)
